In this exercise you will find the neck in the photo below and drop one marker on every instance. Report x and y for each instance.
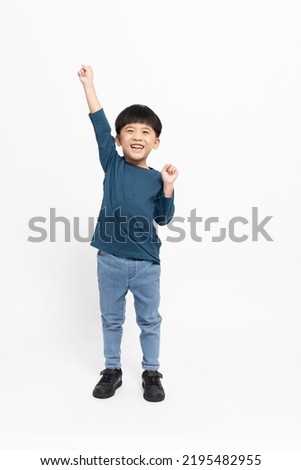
(141, 164)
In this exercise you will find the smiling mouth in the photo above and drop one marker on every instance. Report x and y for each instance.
(137, 147)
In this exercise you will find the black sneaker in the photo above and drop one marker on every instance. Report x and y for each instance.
(111, 380)
(153, 390)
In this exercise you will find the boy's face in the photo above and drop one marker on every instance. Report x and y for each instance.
(137, 140)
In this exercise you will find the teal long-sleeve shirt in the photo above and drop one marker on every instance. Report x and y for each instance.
(133, 199)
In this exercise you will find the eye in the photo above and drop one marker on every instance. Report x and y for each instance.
(145, 132)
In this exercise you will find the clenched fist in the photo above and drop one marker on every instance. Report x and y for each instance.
(85, 74)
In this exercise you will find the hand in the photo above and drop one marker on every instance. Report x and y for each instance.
(169, 173)
(85, 74)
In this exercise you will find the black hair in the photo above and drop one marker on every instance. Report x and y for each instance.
(138, 113)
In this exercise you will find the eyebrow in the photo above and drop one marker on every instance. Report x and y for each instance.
(146, 126)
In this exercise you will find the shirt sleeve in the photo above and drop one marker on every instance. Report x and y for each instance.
(164, 209)
(105, 140)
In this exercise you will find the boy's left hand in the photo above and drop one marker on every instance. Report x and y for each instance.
(169, 173)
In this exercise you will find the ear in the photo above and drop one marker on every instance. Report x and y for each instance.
(118, 140)
(156, 143)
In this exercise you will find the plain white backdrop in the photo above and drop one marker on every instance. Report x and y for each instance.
(224, 77)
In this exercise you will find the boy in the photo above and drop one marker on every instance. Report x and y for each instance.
(134, 196)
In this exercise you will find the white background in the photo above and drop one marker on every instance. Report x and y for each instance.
(224, 77)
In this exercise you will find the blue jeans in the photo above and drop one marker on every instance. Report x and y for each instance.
(117, 276)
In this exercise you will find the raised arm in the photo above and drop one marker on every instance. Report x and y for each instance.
(164, 207)
(105, 140)
(85, 75)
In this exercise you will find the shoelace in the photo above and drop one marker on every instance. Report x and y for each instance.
(153, 379)
(107, 376)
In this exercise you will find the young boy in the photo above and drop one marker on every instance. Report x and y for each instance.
(134, 197)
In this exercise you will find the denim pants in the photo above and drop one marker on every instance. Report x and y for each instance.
(117, 276)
